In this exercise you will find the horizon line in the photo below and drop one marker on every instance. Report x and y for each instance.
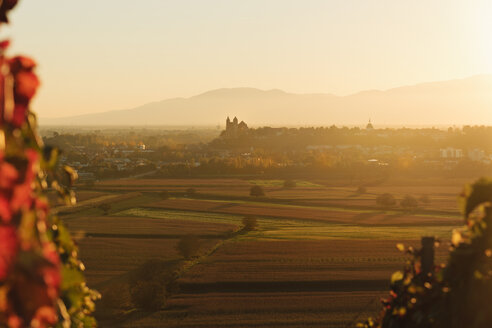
(276, 89)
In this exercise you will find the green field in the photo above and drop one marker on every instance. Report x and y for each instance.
(296, 229)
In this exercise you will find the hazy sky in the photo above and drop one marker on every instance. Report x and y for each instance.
(102, 55)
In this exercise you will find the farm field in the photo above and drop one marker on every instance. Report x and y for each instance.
(251, 309)
(442, 196)
(99, 225)
(297, 262)
(323, 284)
(109, 258)
(337, 214)
(82, 196)
(319, 256)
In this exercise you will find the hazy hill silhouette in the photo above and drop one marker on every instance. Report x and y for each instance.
(464, 101)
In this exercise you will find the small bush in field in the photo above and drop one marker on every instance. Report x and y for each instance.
(289, 184)
(148, 294)
(111, 301)
(386, 200)
(409, 202)
(105, 207)
(148, 285)
(256, 191)
(190, 191)
(188, 246)
(361, 190)
(249, 223)
(425, 199)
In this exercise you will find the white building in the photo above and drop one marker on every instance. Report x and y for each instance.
(476, 155)
(451, 153)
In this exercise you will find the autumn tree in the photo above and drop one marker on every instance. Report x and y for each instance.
(256, 191)
(105, 207)
(386, 200)
(249, 223)
(454, 294)
(361, 190)
(41, 278)
(188, 246)
(409, 202)
(148, 285)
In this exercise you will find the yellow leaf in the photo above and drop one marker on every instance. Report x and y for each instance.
(412, 289)
(397, 276)
(477, 274)
(456, 237)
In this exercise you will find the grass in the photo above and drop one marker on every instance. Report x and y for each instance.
(309, 207)
(269, 228)
(365, 217)
(342, 231)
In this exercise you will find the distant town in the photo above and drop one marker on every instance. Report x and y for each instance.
(275, 152)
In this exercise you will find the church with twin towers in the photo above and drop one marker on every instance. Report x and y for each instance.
(234, 127)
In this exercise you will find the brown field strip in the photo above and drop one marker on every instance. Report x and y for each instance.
(181, 183)
(108, 258)
(145, 226)
(283, 284)
(442, 198)
(272, 310)
(301, 261)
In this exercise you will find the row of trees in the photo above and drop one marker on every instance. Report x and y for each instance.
(325, 166)
(408, 202)
(416, 139)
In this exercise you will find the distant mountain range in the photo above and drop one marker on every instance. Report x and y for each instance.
(464, 101)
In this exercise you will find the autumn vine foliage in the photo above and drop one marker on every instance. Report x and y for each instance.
(41, 279)
(456, 294)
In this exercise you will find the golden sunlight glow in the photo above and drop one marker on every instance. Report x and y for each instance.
(481, 23)
(169, 49)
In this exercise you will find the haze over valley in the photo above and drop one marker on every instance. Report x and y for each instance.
(454, 102)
